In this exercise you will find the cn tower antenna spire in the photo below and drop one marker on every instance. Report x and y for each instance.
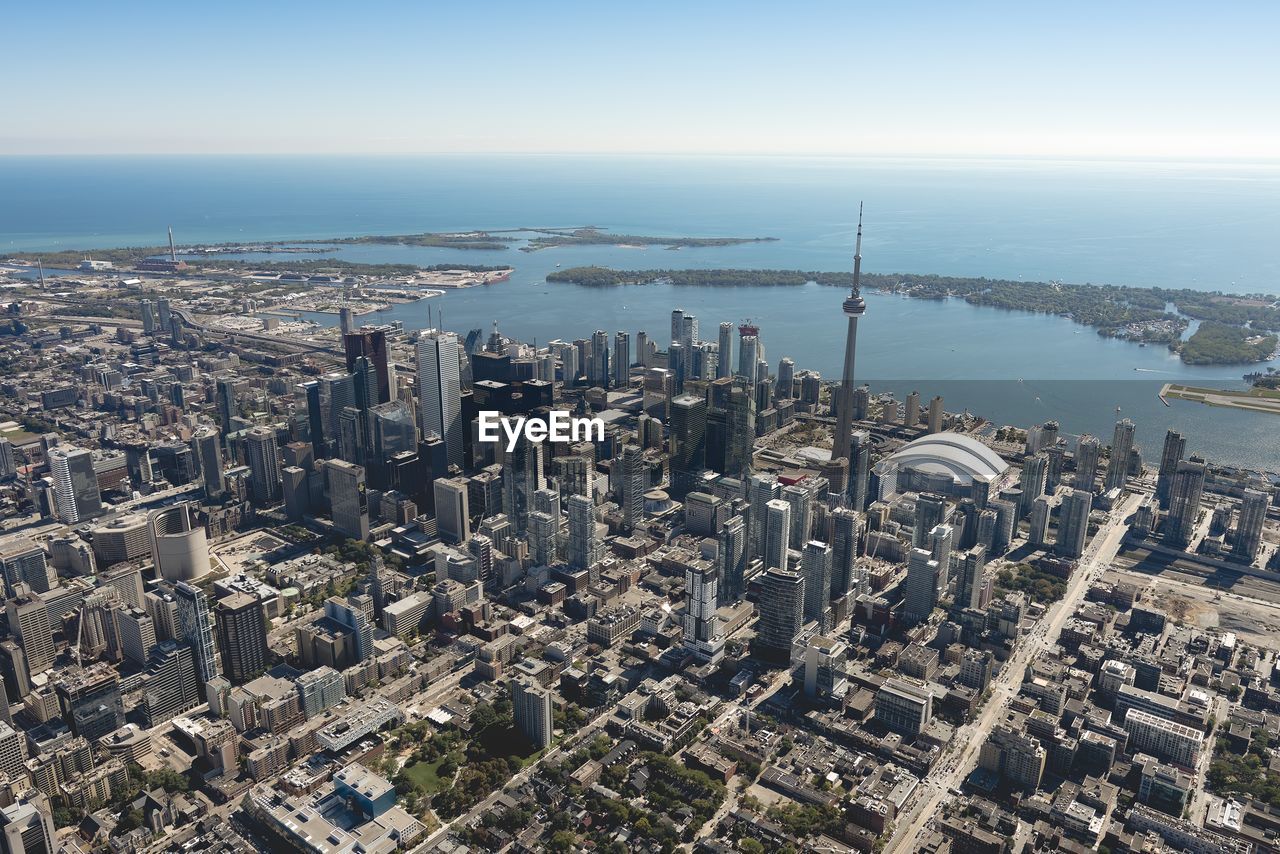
(854, 307)
(857, 255)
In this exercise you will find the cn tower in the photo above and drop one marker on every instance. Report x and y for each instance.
(854, 307)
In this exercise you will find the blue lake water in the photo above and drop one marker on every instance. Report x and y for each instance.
(1203, 226)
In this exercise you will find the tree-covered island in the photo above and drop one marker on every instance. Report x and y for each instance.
(1235, 329)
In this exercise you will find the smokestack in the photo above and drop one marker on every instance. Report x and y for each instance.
(40, 267)
(173, 253)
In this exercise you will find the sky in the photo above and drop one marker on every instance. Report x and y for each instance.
(1150, 80)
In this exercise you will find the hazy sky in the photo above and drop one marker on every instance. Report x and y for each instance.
(1085, 79)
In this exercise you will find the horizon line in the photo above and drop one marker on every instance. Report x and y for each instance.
(884, 156)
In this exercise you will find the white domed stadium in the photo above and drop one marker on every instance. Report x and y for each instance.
(948, 463)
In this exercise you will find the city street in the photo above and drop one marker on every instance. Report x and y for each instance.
(958, 760)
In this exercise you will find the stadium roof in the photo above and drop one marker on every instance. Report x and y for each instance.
(960, 456)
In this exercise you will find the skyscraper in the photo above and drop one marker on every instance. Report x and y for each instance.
(531, 709)
(1175, 445)
(854, 307)
(762, 489)
(23, 562)
(643, 347)
(90, 701)
(816, 567)
(1088, 450)
(336, 392)
(598, 367)
(440, 391)
(543, 528)
(1073, 523)
(724, 358)
(356, 621)
(688, 441)
(196, 627)
(781, 613)
(172, 686)
(242, 636)
(1121, 447)
(264, 465)
(348, 501)
(585, 549)
(29, 622)
(677, 326)
(621, 360)
(921, 588)
(1248, 534)
(777, 533)
(941, 543)
(75, 485)
(970, 585)
(785, 389)
(931, 511)
(227, 403)
(1185, 491)
(859, 469)
(702, 631)
(1038, 535)
(162, 313)
(209, 450)
(522, 476)
(8, 462)
(824, 668)
(677, 363)
(846, 528)
(935, 415)
(740, 413)
(452, 515)
(731, 557)
(748, 357)
(371, 343)
(1035, 471)
(634, 484)
(689, 332)
(395, 431)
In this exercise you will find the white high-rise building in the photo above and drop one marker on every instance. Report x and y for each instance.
(440, 391)
(702, 631)
(585, 548)
(725, 353)
(75, 485)
(777, 533)
(531, 708)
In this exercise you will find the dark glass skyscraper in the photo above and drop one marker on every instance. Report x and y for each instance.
(371, 344)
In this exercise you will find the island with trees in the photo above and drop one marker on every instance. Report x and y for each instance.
(535, 239)
(594, 235)
(1147, 315)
